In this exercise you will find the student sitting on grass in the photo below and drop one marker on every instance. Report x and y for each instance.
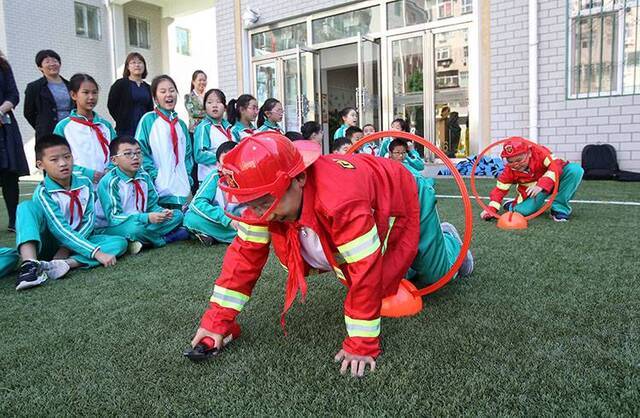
(130, 201)
(206, 217)
(8, 260)
(210, 133)
(58, 222)
(535, 170)
(398, 150)
(340, 146)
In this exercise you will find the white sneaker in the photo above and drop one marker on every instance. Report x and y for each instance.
(55, 269)
(134, 247)
(467, 265)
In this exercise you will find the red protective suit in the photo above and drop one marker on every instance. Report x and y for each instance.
(365, 211)
(543, 166)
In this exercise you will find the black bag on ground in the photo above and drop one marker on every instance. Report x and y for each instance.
(599, 162)
(627, 176)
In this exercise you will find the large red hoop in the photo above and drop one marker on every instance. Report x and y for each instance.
(485, 207)
(466, 200)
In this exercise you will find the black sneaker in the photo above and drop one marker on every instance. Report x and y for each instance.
(30, 274)
(559, 217)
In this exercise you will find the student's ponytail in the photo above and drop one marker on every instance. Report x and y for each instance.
(267, 106)
(232, 112)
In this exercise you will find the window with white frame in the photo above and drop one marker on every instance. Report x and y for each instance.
(445, 8)
(87, 21)
(603, 48)
(443, 54)
(447, 80)
(467, 6)
(183, 41)
(138, 32)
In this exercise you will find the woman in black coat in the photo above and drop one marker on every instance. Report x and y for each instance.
(47, 100)
(130, 96)
(13, 162)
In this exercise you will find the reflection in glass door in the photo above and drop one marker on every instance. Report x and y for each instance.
(407, 80)
(265, 84)
(451, 91)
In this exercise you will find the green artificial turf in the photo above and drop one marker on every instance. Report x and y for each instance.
(548, 324)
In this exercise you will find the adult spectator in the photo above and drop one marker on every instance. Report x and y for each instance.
(194, 100)
(130, 96)
(47, 100)
(13, 162)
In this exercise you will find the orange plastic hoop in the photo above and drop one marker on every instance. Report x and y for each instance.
(466, 200)
(485, 207)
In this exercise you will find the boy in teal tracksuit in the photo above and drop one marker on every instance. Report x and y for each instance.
(8, 260)
(206, 217)
(399, 151)
(130, 201)
(59, 221)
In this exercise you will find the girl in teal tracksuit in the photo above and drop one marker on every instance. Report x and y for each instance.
(348, 117)
(88, 134)
(8, 260)
(270, 116)
(206, 217)
(211, 132)
(241, 114)
(166, 148)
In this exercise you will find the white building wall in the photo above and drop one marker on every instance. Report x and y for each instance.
(565, 126)
(152, 55)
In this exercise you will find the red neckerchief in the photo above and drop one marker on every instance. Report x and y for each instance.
(139, 195)
(96, 128)
(295, 278)
(225, 132)
(73, 201)
(174, 133)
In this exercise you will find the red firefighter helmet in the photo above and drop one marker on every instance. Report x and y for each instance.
(514, 146)
(261, 166)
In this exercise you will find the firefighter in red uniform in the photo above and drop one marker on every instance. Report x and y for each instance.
(358, 216)
(535, 170)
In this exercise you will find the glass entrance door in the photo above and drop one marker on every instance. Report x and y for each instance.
(428, 86)
(292, 80)
(368, 91)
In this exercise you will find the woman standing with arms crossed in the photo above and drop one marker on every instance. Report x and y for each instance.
(13, 162)
(130, 97)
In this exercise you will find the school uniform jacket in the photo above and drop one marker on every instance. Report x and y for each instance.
(171, 178)
(209, 135)
(240, 131)
(89, 154)
(70, 219)
(341, 131)
(124, 198)
(544, 170)
(368, 227)
(270, 126)
(209, 202)
(413, 159)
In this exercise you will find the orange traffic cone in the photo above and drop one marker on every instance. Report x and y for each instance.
(406, 302)
(512, 220)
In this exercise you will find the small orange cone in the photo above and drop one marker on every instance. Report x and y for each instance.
(406, 302)
(512, 220)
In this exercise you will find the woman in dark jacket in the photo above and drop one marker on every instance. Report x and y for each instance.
(13, 162)
(130, 96)
(47, 100)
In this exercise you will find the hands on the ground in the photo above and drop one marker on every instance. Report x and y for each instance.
(487, 215)
(358, 364)
(105, 259)
(201, 333)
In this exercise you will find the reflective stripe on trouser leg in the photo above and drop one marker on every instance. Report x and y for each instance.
(436, 250)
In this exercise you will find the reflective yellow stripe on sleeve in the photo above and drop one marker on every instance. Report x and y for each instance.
(339, 274)
(503, 186)
(495, 205)
(253, 233)
(362, 327)
(228, 298)
(549, 160)
(550, 174)
(392, 220)
(361, 247)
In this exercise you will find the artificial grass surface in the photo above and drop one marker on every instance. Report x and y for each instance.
(548, 324)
